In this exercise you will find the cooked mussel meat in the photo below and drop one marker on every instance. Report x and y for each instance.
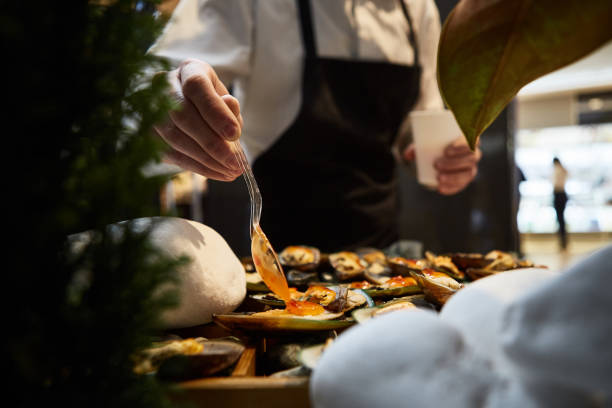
(498, 261)
(300, 257)
(444, 264)
(322, 295)
(333, 299)
(371, 255)
(184, 359)
(363, 314)
(437, 286)
(403, 266)
(347, 265)
(377, 272)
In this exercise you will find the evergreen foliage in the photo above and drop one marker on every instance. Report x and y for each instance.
(79, 124)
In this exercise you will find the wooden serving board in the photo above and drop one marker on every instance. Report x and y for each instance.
(243, 388)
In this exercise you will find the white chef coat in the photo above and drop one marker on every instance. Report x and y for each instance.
(255, 46)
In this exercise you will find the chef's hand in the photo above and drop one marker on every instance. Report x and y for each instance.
(200, 132)
(456, 168)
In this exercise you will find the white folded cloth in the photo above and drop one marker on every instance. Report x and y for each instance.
(523, 338)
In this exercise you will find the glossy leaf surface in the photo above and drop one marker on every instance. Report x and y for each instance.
(490, 49)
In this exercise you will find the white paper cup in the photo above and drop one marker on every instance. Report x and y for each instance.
(432, 131)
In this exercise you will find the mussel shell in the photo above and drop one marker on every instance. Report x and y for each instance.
(268, 299)
(363, 314)
(478, 273)
(368, 299)
(377, 272)
(296, 277)
(275, 320)
(469, 260)
(377, 293)
(216, 356)
(444, 264)
(347, 265)
(501, 261)
(371, 255)
(403, 266)
(436, 290)
(300, 257)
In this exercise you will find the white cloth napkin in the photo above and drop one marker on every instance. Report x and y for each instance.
(523, 338)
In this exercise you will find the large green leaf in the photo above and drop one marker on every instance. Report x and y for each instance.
(490, 49)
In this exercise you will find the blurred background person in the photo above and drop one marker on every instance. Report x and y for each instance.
(559, 179)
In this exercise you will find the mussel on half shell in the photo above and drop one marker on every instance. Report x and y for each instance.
(347, 265)
(444, 264)
(403, 266)
(300, 257)
(281, 320)
(184, 359)
(371, 255)
(336, 298)
(438, 287)
(377, 272)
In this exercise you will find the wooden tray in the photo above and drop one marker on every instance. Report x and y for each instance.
(245, 386)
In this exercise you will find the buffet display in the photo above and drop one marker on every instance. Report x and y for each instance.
(327, 293)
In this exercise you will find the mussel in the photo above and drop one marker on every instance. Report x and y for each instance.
(300, 257)
(334, 299)
(363, 314)
(347, 265)
(300, 278)
(444, 264)
(403, 266)
(183, 359)
(465, 260)
(497, 261)
(371, 255)
(438, 287)
(378, 272)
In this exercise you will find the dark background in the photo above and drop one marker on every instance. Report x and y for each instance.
(479, 219)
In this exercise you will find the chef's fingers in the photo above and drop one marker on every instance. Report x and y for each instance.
(214, 151)
(459, 147)
(189, 164)
(196, 78)
(234, 106)
(455, 163)
(453, 182)
(182, 143)
(408, 153)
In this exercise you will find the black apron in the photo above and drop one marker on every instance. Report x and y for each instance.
(329, 181)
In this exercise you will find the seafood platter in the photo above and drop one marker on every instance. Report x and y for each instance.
(276, 336)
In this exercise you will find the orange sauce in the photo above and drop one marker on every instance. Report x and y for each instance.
(360, 285)
(400, 282)
(316, 288)
(411, 263)
(269, 268)
(267, 264)
(434, 274)
(304, 308)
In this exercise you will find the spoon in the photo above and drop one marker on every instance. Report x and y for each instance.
(264, 257)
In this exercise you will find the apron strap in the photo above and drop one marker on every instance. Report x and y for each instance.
(308, 38)
(411, 34)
